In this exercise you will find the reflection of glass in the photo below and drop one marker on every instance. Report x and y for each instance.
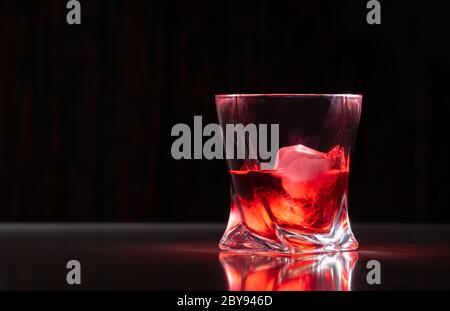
(316, 272)
(300, 203)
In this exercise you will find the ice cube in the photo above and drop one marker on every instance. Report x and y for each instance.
(300, 164)
(302, 170)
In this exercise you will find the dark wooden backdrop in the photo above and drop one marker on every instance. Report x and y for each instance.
(86, 111)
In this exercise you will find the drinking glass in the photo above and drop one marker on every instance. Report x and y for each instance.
(297, 203)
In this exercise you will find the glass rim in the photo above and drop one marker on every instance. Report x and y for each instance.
(288, 95)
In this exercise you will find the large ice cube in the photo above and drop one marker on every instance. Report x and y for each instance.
(301, 167)
(299, 163)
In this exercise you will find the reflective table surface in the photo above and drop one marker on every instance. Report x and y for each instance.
(186, 257)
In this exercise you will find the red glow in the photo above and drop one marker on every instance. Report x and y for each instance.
(302, 194)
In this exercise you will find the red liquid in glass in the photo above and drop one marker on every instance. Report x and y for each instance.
(302, 194)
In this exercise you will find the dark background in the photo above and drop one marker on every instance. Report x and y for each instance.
(86, 111)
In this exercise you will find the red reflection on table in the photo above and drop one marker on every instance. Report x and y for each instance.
(252, 272)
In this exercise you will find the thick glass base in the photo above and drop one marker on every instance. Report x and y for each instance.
(239, 238)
